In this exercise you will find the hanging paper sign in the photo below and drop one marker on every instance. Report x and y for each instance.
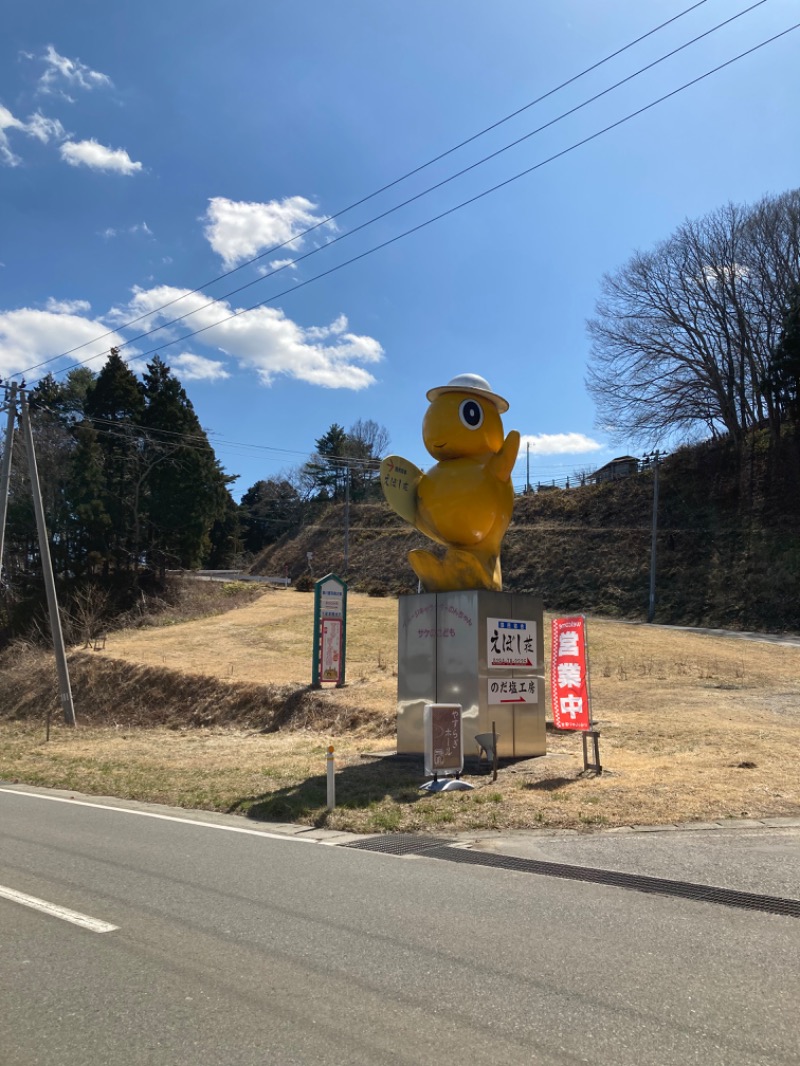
(569, 681)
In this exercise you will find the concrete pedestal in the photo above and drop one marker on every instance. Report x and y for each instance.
(450, 647)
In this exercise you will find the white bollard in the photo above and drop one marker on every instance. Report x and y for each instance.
(331, 780)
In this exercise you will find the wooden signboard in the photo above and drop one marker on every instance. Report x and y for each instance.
(444, 741)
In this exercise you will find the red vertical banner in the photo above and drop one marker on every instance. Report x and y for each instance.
(569, 674)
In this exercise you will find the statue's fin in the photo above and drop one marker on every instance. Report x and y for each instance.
(399, 481)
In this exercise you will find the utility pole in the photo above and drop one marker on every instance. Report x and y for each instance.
(651, 610)
(65, 691)
(346, 517)
(5, 471)
(527, 467)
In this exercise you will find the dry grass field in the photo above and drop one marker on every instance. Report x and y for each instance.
(693, 727)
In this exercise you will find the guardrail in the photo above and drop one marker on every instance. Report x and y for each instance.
(233, 575)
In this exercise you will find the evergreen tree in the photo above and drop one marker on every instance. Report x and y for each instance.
(353, 455)
(326, 467)
(89, 521)
(268, 509)
(225, 538)
(185, 485)
(115, 405)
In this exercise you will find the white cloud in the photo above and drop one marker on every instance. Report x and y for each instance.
(190, 367)
(238, 230)
(138, 227)
(29, 336)
(335, 329)
(8, 122)
(38, 125)
(559, 444)
(61, 71)
(278, 264)
(44, 129)
(265, 340)
(98, 157)
(66, 307)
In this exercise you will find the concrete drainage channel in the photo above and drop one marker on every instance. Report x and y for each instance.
(440, 848)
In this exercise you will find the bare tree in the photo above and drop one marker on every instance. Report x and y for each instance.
(683, 335)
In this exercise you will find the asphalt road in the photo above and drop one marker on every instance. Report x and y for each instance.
(258, 948)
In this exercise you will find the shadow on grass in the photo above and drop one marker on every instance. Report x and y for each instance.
(358, 787)
(551, 784)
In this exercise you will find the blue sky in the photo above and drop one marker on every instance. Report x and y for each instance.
(147, 148)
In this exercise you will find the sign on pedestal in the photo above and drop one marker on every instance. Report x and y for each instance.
(330, 631)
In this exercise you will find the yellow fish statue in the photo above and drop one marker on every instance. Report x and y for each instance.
(465, 501)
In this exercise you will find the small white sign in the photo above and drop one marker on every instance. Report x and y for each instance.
(331, 600)
(511, 643)
(512, 690)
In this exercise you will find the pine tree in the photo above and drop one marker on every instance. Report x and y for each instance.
(326, 468)
(89, 522)
(115, 405)
(186, 487)
(268, 509)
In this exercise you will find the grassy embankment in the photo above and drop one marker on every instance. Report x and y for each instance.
(216, 714)
(728, 542)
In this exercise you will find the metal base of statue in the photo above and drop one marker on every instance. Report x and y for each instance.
(446, 784)
(478, 648)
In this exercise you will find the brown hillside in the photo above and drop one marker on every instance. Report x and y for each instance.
(728, 545)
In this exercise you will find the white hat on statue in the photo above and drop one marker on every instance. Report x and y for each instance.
(472, 383)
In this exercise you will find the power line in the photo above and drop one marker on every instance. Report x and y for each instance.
(202, 441)
(431, 188)
(462, 204)
(357, 203)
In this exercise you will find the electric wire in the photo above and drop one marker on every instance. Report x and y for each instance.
(202, 441)
(464, 203)
(397, 207)
(430, 189)
(416, 170)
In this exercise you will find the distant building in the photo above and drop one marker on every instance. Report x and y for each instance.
(618, 468)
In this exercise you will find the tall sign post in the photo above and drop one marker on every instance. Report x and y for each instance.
(569, 684)
(330, 631)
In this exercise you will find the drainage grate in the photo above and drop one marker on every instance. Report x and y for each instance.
(441, 848)
(399, 843)
(726, 897)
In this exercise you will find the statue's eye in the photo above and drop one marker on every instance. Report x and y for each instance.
(471, 413)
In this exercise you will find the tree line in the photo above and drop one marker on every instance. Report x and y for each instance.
(344, 465)
(131, 485)
(128, 478)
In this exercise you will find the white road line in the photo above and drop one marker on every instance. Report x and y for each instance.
(55, 911)
(163, 817)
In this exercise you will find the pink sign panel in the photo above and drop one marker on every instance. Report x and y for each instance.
(331, 649)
